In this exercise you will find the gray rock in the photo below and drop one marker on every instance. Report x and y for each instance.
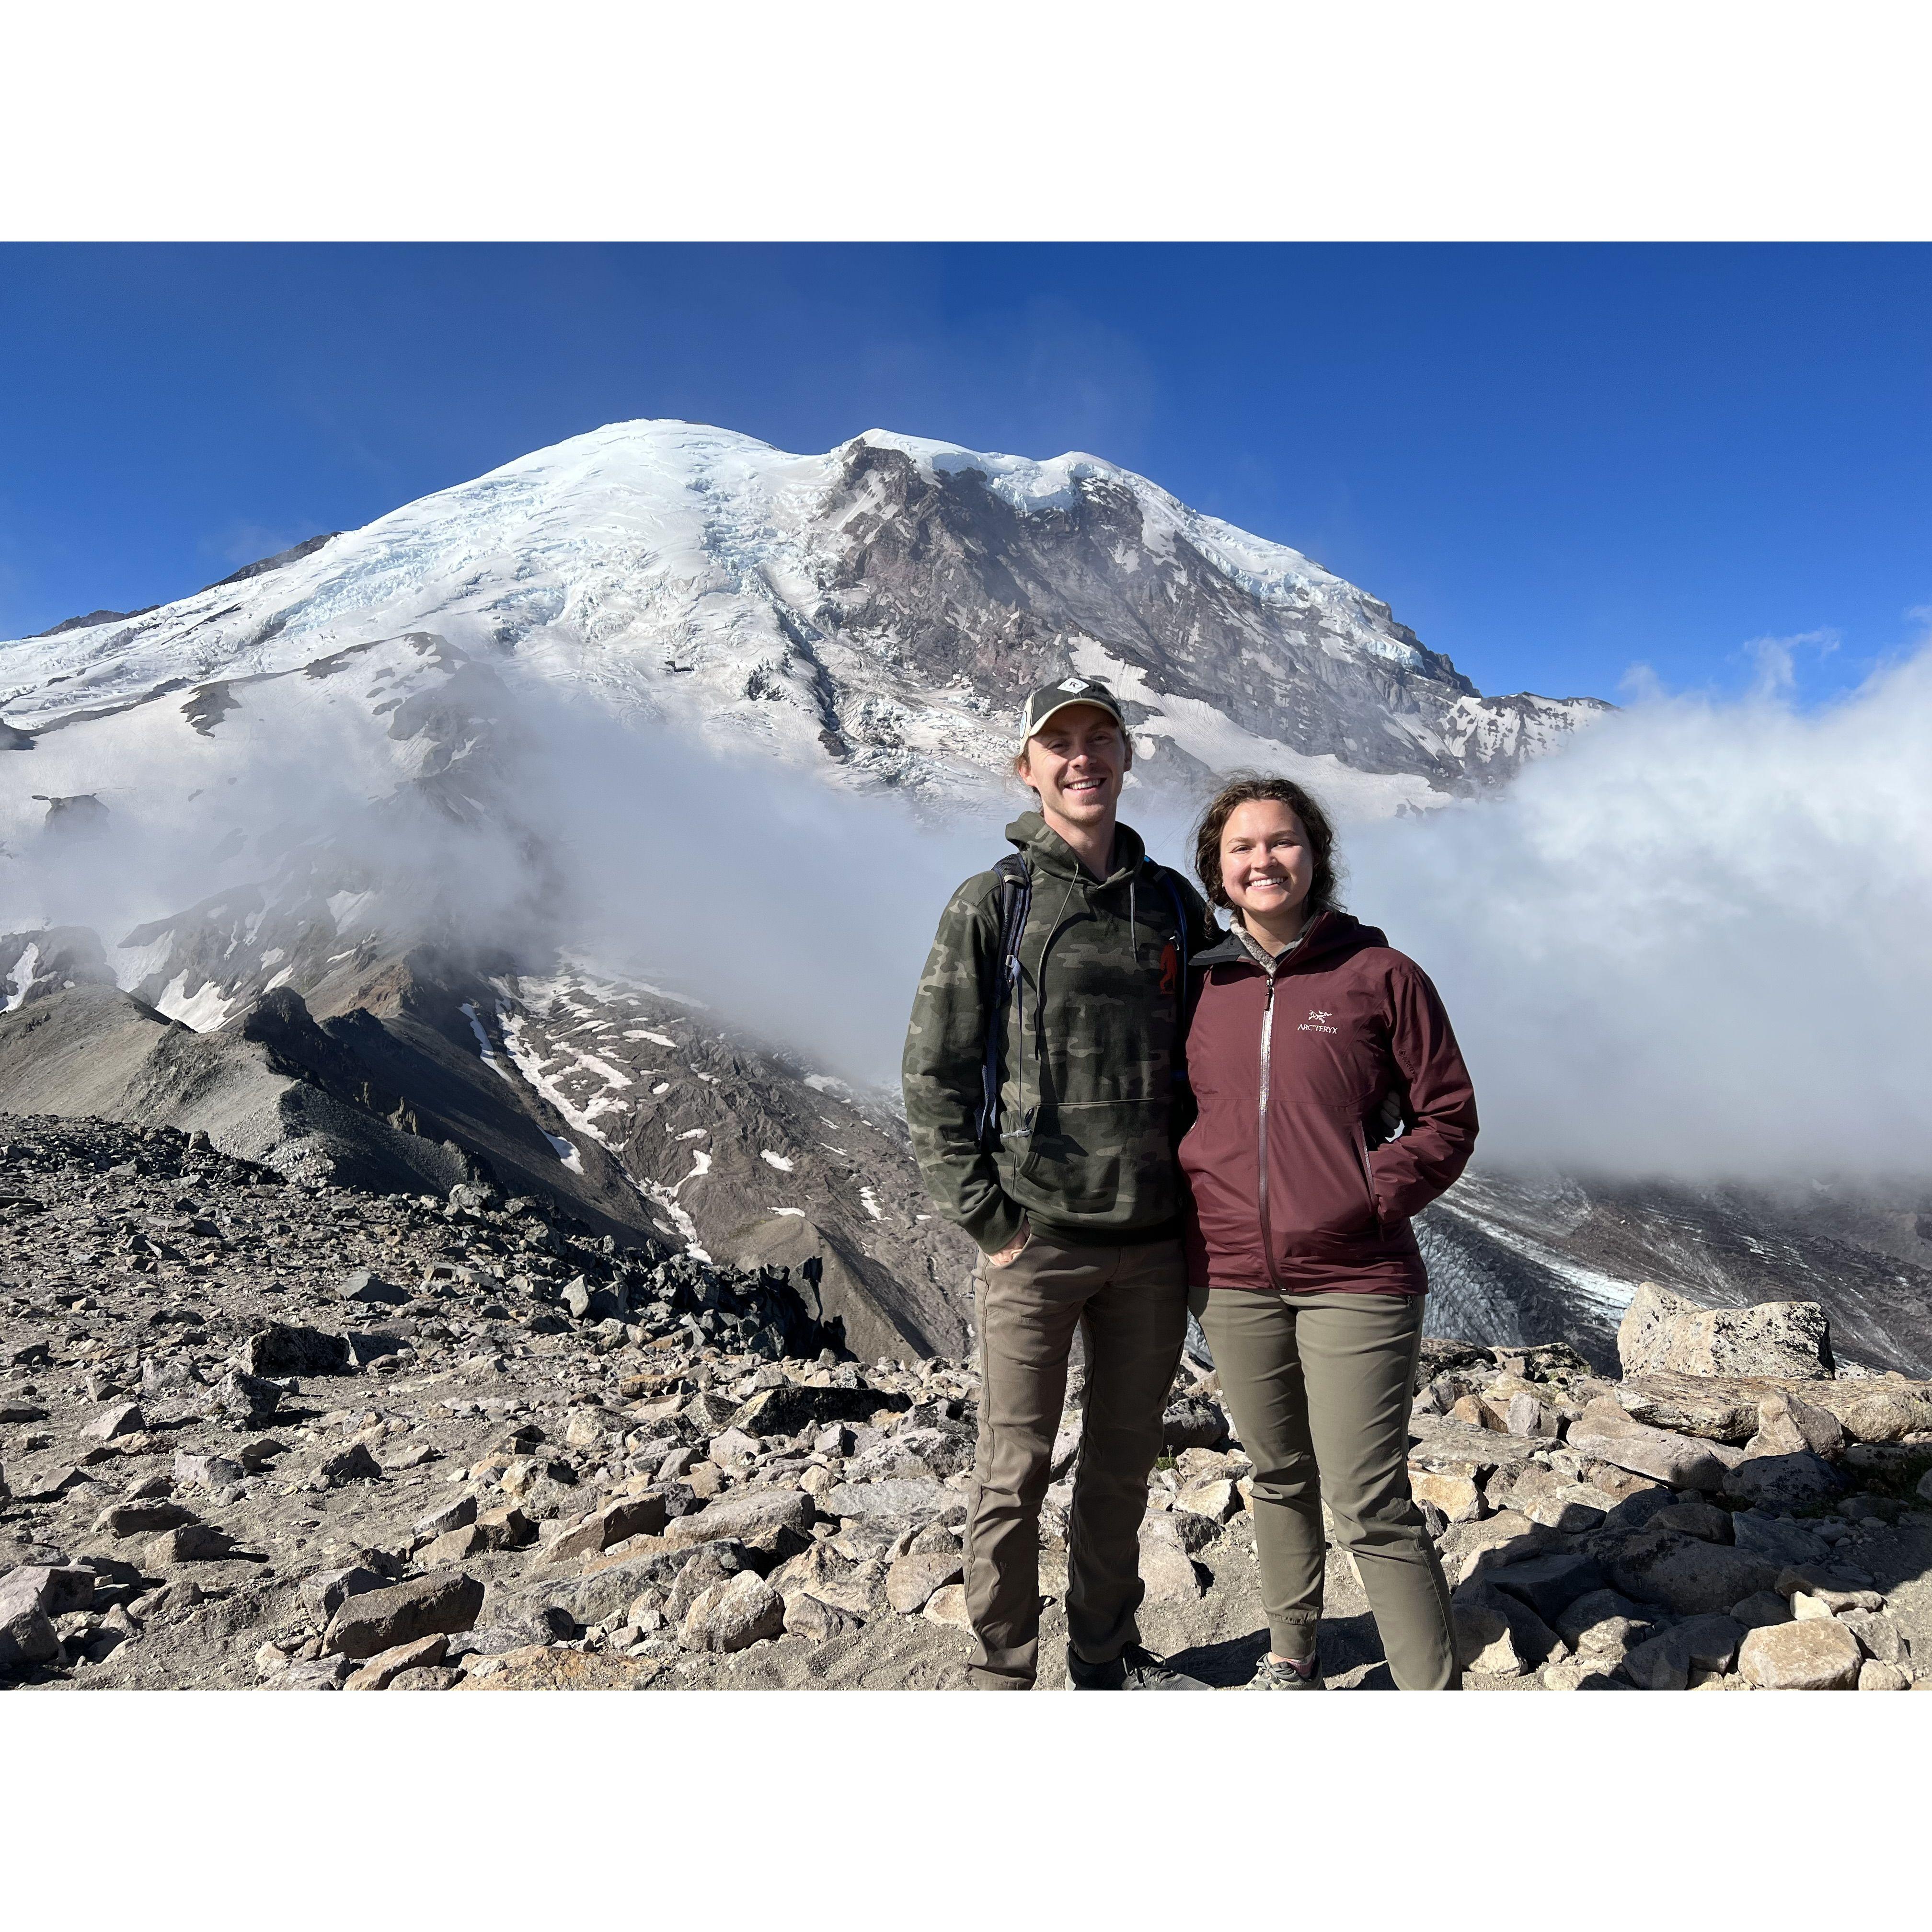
(352, 1465)
(1777, 1539)
(732, 1615)
(370, 1290)
(1819, 1654)
(1787, 1425)
(912, 1579)
(906, 1497)
(1667, 1660)
(1878, 1635)
(792, 1408)
(1663, 1331)
(247, 1401)
(1604, 1432)
(1550, 1584)
(120, 1520)
(815, 1620)
(1686, 1574)
(1874, 1675)
(118, 1418)
(457, 1515)
(1532, 1640)
(187, 1543)
(379, 1620)
(1597, 1608)
(1760, 1609)
(207, 1472)
(774, 1520)
(282, 1350)
(1167, 1571)
(1192, 1422)
(321, 1673)
(328, 1590)
(1779, 1483)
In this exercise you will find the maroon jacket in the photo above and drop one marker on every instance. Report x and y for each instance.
(1292, 1184)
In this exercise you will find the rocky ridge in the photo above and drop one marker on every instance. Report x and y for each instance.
(254, 1432)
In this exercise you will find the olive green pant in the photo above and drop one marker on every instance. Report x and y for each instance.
(1132, 1303)
(1319, 1388)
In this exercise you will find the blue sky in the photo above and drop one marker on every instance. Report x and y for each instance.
(1554, 462)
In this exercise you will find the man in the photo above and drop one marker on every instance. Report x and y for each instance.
(1042, 1078)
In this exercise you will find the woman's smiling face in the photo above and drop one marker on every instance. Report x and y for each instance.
(1267, 867)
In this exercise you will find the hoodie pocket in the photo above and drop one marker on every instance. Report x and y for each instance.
(1108, 1159)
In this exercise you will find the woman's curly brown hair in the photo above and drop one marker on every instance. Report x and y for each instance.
(1283, 791)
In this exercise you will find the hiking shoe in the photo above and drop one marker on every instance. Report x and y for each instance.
(1136, 1669)
(1271, 1675)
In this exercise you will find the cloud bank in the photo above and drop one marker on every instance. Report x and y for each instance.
(1697, 942)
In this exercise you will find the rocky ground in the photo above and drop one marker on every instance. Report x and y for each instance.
(254, 1433)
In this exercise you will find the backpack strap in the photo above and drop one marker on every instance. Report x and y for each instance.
(1015, 898)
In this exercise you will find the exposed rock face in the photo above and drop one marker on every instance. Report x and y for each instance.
(1662, 1331)
(473, 1485)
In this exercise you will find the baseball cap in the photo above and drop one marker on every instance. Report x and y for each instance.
(1052, 698)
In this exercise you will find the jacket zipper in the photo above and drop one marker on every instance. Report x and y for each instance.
(1262, 1191)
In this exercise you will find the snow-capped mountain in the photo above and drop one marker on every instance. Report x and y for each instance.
(872, 616)
(880, 609)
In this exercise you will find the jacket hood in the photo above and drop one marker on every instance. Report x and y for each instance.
(1333, 934)
(1046, 851)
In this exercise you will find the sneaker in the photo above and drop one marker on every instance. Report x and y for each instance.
(1270, 1674)
(1136, 1669)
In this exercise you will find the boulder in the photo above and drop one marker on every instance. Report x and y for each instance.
(1531, 1640)
(120, 1520)
(1550, 1584)
(1605, 1432)
(1874, 1675)
(374, 1621)
(911, 1581)
(948, 1606)
(1776, 1538)
(1893, 1409)
(792, 1408)
(381, 1672)
(1814, 1655)
(1192, 1422)
(353, 1464)
(1665, 1662)
(247, 1401)
(762, 1518)
(281, 1350)
(1777, 1484)
(909, 1497)
(1720, 1408)
(732, 1615)
(187, 1543)
(1685, 1574)
(815, 1620)
(1166, 1568)
(1666, 1332)
(1460, 1498)
(118, 1418)
(1788, 1425)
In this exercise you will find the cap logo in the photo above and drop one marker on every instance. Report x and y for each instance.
(1073, 684)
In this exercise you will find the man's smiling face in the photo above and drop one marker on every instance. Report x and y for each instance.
(1077, 762)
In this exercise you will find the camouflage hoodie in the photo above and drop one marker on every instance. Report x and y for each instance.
(1089, 1105)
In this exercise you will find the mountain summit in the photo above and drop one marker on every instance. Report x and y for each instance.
(879, 610)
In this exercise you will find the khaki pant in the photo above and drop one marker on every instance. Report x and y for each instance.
(1133, 1303)
(1319, 1388)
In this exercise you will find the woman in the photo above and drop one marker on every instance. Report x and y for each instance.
(1334, 1106)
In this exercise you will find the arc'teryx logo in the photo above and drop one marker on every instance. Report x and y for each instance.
(1317, 1022)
